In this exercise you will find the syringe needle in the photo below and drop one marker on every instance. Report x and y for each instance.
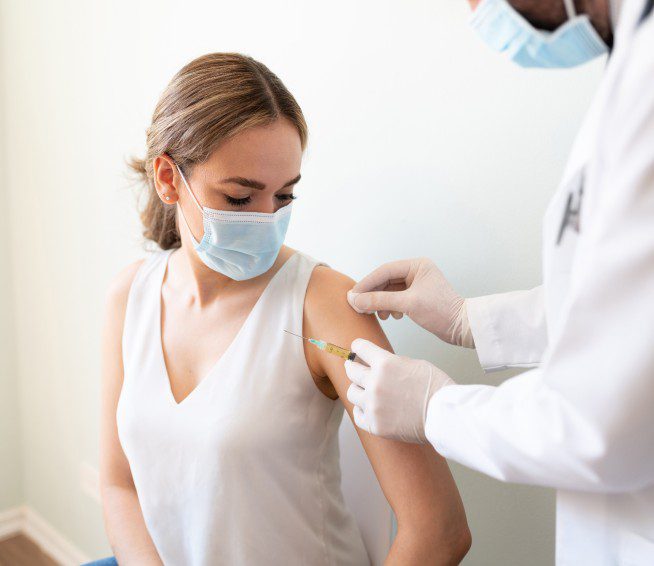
(293, 333)
(344, 353)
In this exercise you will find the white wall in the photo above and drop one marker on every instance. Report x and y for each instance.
(10, 488)
(422, 143)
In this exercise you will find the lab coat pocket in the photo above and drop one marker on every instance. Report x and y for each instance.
(635, 550)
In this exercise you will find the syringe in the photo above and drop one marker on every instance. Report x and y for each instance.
(329, 348)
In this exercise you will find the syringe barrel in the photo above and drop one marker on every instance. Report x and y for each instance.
(338, 351)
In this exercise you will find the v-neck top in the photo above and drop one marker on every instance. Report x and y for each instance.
(245, 469)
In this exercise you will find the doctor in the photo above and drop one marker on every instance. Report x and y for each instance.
(581, 421)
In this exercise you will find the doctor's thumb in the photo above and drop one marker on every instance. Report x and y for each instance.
(375, 301)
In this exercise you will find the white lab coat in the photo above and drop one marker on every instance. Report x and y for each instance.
(581, 421)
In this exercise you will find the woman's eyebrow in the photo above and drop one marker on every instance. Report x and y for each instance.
(256, 184)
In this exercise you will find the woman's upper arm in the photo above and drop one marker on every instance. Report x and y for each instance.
(114, 468)
(414, 478)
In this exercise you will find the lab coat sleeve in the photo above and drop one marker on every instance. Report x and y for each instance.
(509, 329)
(584, 420)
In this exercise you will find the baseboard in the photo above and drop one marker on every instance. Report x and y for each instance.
(28, 522)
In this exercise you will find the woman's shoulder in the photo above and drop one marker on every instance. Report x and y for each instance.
(328, 315)
(119, 287)
(323, 277)
(121, 283)
(115, 305)
(326, 294)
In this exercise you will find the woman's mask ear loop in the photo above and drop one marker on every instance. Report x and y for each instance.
(188, 188)
(179, 206)
(570, 9)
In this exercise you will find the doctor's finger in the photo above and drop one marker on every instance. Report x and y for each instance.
(360, 419)
(357, 396)
(369, 352)
(357, 373)
(392, 272)
(379, 301)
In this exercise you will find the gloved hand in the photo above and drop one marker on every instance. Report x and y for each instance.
(391, 396)
(417, 288)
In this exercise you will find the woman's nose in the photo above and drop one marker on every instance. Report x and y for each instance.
(269, 205)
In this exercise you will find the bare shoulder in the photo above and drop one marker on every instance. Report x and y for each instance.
(326, 298)
(330, 317)
(119, 287)
(118, 291)
(114, 318)
(327, 284)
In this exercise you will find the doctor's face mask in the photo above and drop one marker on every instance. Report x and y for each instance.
(240, 245)
(505, 30)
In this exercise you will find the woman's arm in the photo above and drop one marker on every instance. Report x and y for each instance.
(432, 526)
(123, 518)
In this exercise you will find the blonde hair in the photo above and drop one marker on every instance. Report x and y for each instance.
(214, 97)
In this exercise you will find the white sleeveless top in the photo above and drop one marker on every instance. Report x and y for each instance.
(245, 470)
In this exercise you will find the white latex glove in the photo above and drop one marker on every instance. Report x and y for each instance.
(417, 288)
(391, 396)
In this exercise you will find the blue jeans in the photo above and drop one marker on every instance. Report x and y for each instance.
(111, 561)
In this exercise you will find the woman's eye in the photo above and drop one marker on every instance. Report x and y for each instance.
(237, 201)
(284, 198)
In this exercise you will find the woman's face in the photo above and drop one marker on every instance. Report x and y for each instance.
(255, 171)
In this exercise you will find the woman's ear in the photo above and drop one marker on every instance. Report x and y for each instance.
(165, 178)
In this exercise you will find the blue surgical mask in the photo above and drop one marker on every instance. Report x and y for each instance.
(240, 245)
(505, 30)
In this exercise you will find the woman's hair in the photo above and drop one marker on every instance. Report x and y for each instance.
(214, 97)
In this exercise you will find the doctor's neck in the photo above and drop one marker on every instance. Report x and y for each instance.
(550, 14)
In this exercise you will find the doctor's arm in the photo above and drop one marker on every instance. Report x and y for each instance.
(584, 420)
(507, 329)
(431, 521)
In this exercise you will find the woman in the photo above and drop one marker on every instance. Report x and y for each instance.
(219, 436)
